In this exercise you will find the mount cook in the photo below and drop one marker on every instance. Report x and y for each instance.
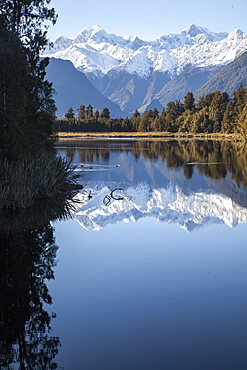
(136, 74)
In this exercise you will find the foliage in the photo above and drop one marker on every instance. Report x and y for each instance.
(29, 181)
(213, 113)
(25, 19)
(27, 109)
(70, 115)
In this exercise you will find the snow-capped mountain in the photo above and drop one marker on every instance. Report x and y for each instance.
(132, 72)
(95, 52)
(166, 204)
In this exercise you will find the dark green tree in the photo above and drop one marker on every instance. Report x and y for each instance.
(27, 19)
(81, 113)
(105, 113)
(170, 117)
(22, 39)
(89, 111)
(136, 114)
(135, 120)
(146, 121)
(155, 113)
(96, 115)
(13, 89)
(70, 115)
(189, 101)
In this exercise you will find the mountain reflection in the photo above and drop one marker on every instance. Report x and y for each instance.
(188, 182)
(27, 258)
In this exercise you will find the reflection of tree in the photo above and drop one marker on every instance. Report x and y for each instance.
(226, 155)
(230, 158)
(27, 258)
(70, 152)
(188, 171)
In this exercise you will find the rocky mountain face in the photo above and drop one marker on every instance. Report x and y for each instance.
(228, 78)
(72, 89)
(132, 72)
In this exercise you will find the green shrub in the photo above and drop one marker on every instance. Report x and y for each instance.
(28, 181)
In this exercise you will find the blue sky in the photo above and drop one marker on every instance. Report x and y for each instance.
(149, 19)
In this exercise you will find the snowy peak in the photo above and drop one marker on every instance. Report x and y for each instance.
(61, 43)
(95, 52)
(193, 30)
(88, 35)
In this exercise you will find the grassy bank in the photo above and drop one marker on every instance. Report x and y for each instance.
(27, 181)
(148, 135)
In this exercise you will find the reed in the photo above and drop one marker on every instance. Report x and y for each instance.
(30, 180)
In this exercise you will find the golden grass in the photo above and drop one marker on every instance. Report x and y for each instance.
(147, 135)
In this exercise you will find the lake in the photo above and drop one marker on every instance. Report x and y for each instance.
(151, 267)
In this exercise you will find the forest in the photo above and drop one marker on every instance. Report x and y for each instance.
(216, 112)
(27, 109)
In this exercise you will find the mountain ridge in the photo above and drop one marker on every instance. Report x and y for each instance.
(95, 52)
(132, 72)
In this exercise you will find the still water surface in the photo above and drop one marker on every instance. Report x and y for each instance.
(152, 270)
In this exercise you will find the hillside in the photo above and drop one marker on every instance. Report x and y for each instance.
(72, 89)
(227, 79)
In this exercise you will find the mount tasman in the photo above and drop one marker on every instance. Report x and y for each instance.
(125, 73)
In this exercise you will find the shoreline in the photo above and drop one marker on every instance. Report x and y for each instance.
(147, 135)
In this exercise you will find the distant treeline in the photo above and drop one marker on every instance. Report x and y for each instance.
(213, 113)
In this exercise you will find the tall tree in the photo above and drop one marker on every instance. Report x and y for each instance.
(189, 101)
(23, 36)
(105, 113)
(81, 113)
(26, 18)
(89, 111)
(96, 115)
(70, 115)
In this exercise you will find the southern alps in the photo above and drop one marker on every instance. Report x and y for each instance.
(132, 72)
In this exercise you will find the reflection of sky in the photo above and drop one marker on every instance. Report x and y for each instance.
(172, 197)
(124, 167)
(149, 295)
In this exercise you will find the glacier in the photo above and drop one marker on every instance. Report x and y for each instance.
(96, 53)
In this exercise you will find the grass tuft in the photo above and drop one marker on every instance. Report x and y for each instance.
(28, 181)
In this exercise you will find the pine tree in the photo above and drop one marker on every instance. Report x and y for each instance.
(241, 127)
(70, 115)
(105, 113)
(81, 113)
(189, 101)
(155, 113)
(239, 99)
(96, 115)
(136, 114)
(89, 111)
